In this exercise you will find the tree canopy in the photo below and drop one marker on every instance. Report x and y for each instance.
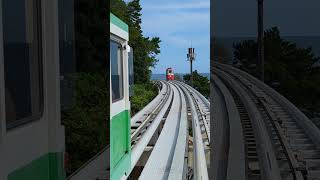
(288, 68)
(145, 49)
(200, 83)
(90, 22)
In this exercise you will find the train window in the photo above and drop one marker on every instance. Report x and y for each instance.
(22, 61)
(116, 71)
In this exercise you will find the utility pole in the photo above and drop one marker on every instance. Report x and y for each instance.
(260, 40)
(191, 57)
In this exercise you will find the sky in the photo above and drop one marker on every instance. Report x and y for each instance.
(178, 23)
(293, 17)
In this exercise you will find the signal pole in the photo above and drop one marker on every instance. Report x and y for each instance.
(191, 57)
(260, 40)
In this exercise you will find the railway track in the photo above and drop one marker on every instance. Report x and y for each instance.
(277, 140)
(141, 121)
(162, 129)
(200, 130)
(169, 155)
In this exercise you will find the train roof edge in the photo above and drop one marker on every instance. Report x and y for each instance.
(118, 27)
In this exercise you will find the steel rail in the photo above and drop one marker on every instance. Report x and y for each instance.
(267, 157)
(159, 164)
(302, 161)
(147, 114)
(229, 156)
(170, 158)
(178, 168)
(265, 101)
(200, 164)
(293, 164)
(204, 115)
(204, 99)
(303, 121)
(95, 166)
(145, 138)
(144, 113)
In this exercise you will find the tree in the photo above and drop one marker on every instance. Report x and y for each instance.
(200, 83)
(145, 49)
(86, 128)
(177, 77)
(288, 68)
(90, 21)
(220, 52)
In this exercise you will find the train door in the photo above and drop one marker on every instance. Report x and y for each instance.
(119, 111)
(31, 136)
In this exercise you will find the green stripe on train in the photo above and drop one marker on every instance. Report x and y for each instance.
(118, 22)
(47, 167)
(120, 148)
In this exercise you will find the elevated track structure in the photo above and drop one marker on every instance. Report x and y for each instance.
(258, 133)
(170, 138)
(251, 132)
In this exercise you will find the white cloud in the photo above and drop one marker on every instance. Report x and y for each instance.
(177, 28)
(178, 23)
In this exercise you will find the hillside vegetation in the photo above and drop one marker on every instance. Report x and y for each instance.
(290, 70)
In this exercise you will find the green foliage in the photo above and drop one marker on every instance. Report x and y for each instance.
(177, 77)
(85, 123)
(220, 52)
(145, 49)
(200, 83)
(143, 95)
(90, 23)
(288, 69)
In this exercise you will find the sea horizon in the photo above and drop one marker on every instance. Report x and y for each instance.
(163, 76)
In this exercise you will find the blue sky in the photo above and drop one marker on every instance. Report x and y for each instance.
(293, 17)
(178, 23)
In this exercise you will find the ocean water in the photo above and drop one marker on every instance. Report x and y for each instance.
(163, 76)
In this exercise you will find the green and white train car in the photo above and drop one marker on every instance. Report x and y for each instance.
(121, 70)
(31, 134)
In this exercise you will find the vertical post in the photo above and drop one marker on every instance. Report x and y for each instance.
(191, 57)
(260, 40)
(191, 76)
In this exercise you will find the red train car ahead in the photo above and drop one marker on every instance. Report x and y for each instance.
(169, 74)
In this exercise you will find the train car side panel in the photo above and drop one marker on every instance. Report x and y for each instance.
(120, 139)
(120, 148)
(47, 167)
(32, 137)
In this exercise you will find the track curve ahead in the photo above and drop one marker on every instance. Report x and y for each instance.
(258, 133)
(175, 130)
